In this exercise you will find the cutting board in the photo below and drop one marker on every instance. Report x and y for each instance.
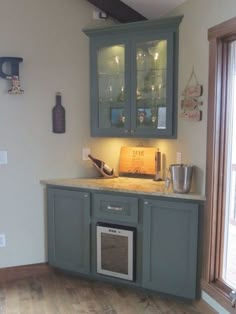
(137, 160)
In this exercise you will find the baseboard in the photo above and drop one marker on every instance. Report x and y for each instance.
(219, 309)
(20, 272)
(204, 307)
(216, 299)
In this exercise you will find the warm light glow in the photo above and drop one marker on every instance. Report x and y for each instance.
(117, 59)
(156, 55)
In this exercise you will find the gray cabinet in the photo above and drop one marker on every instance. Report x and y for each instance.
(69, 230)
(133, 77)
(116, 208)
(166, 244)
(170, 238)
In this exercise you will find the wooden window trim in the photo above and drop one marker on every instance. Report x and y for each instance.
(218, 37)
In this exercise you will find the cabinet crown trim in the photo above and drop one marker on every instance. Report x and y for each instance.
(168, 23)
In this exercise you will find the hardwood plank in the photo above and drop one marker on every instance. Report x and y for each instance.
(44, 290)
(20, 272)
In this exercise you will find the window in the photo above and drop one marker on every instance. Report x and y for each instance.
(220, 226)
(228, 271)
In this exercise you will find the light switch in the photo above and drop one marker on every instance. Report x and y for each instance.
(3, 157)
(179, 158)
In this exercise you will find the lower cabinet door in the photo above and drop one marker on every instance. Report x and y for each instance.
(170, 234)
(69, 230)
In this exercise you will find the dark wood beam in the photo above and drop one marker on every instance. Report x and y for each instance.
(118, 10)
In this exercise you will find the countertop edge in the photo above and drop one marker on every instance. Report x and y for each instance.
(85, 183)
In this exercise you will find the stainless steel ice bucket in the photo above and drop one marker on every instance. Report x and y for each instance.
(181, 177)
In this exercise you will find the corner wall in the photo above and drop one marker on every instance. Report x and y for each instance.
(47, 35)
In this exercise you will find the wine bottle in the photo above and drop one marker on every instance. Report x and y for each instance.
(58, 116)
(101, 166)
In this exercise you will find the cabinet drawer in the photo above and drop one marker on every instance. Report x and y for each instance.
(115, 207)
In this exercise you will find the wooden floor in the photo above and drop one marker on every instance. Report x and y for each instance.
(46, 291)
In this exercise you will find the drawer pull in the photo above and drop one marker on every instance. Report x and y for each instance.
(114, 208)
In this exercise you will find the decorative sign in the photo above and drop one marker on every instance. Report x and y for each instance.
(193, 90)
(12, 66)
(192, 115)
(190, 102)
(137, 160)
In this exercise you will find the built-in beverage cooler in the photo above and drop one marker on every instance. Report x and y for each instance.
(116, 250)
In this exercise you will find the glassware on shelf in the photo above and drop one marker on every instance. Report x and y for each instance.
(153, 94)
(121, 96)
(140, 57)
(153, 51)
(109, 93)
(153, 115)
(116, 62)
(138, 94)
(141, 116)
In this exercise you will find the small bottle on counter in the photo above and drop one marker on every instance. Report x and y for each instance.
(158, 166)
(102, 167)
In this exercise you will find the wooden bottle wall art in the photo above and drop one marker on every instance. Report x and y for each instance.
(190, 103)
(58, 116)
(12, 66)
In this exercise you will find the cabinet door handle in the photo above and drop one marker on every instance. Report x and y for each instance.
(85, 195)
(126, 131)
(114, 208)
(132, 131)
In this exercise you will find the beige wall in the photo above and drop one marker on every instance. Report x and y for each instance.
(47, 34)
(199, 16)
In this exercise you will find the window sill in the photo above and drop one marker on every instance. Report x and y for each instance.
(218, 295)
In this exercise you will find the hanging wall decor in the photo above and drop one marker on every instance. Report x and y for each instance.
(58, 116)
(190, 103)
(11, 65)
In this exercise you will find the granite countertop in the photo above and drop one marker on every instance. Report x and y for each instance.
(123, 184)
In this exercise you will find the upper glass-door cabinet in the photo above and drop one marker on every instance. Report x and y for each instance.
(133, 79)
(110, 88)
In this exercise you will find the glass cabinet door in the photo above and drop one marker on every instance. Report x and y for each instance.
(151, 85)
(111, 87)
(133, 79)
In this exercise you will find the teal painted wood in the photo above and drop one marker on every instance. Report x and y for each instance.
(120, 29)
(129, 34)
(69, 230)
(171, 115)
(96, 128)
(170, 239)
(116, 208)
(167, 231)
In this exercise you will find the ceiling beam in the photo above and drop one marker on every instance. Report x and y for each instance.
(118, 10)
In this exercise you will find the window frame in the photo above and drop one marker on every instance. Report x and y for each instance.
(213, 218)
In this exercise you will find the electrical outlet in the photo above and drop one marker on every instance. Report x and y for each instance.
(2, 240)
(85, 152)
